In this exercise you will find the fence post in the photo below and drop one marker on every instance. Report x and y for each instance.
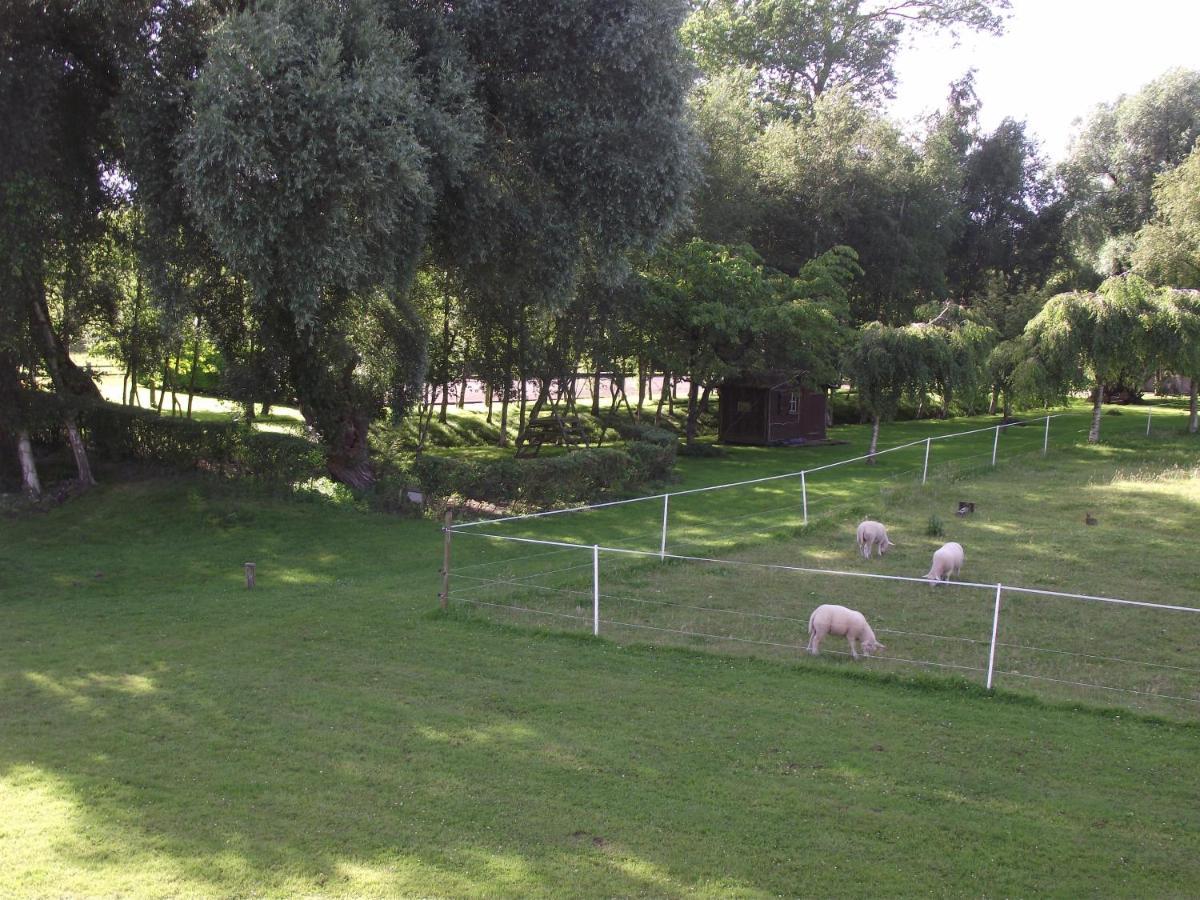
(1046, 439)
(804, 496)
(444, 596)
(925, 470)
(995, 445)
(995, 628)
(1149, 412)
(662, 548)
(596, 589)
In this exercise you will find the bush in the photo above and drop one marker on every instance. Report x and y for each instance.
(124, 434)
(578, 476)
(640, 431)
(702, 450)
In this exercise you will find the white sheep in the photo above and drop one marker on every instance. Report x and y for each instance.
(872, 534)
(831, 619)
(947, 561)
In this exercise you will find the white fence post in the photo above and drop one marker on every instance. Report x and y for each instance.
(925, 470)
(995, 445)
(1046, 439)
(596, 589)
(995, 628)
(804, 496)
(662, 548)
(1149, 412)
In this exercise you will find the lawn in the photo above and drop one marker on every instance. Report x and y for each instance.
(169, 733)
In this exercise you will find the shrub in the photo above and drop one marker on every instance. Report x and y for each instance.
(935, 527)
(124, 434)
(702, 450)
(574, 477)
(641, 431)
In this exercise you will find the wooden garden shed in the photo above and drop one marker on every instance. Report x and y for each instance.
(755, 411)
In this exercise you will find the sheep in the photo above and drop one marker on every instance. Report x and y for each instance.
(872, 534)
(831, 619)
(947, 561)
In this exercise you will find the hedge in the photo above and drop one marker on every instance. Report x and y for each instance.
(117, 433)
(578, 476)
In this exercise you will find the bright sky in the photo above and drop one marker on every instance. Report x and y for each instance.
(1056, 60)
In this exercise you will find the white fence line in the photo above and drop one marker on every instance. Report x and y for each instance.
(801, 474)
(596, 620)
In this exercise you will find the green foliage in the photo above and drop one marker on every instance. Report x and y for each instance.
(1124, 146)
(127, 434)
(935, 528)
(578, 476)
(800, 50)
(1167, 249)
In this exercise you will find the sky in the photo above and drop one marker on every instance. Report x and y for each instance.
(1055, 62)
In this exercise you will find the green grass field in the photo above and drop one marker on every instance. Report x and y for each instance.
(168, 733)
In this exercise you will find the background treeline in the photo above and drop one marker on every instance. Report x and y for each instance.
(359, 207)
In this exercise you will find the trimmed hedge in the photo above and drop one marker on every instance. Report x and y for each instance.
(640, 431)
(574, 477)
(120, 433)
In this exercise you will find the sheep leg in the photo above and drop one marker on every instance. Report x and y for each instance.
(853, 651)
(814, 642)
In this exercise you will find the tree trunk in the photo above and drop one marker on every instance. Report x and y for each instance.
(79, 451)
(1192, 406)
(445, 408)
(596, 392)
(462, 381)
(192, 375)
(1007, 405)
(487, 395)
(662, 398)
(995, 400)
(504, 414)
(348, 458)
(70, 381)
(670, 395)
(68, 378)
(175, 383)
(641, 368)
(1094, 433)
(30, 484)
(162, 387)
(693, 409)
(874, 439)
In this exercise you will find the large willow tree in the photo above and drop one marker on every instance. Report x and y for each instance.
(323, 151)
(1091, 340)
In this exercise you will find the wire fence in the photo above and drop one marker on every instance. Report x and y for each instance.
(672, 570)
(1062, 645)
(714, 516)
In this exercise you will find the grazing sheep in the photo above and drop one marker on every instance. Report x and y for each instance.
(947, 561)
(831, 619)
(872, 534)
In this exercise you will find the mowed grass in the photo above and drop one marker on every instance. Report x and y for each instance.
(1028, 530)
(168, 733)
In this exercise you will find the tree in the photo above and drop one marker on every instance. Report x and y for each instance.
(1167, 249)
(1175, 339)
(1124, 145)
(887, 364)
(1012, 216)
(846, 176)
(304, 169)
(1092, 340)
(800, 50)
(57, 86)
